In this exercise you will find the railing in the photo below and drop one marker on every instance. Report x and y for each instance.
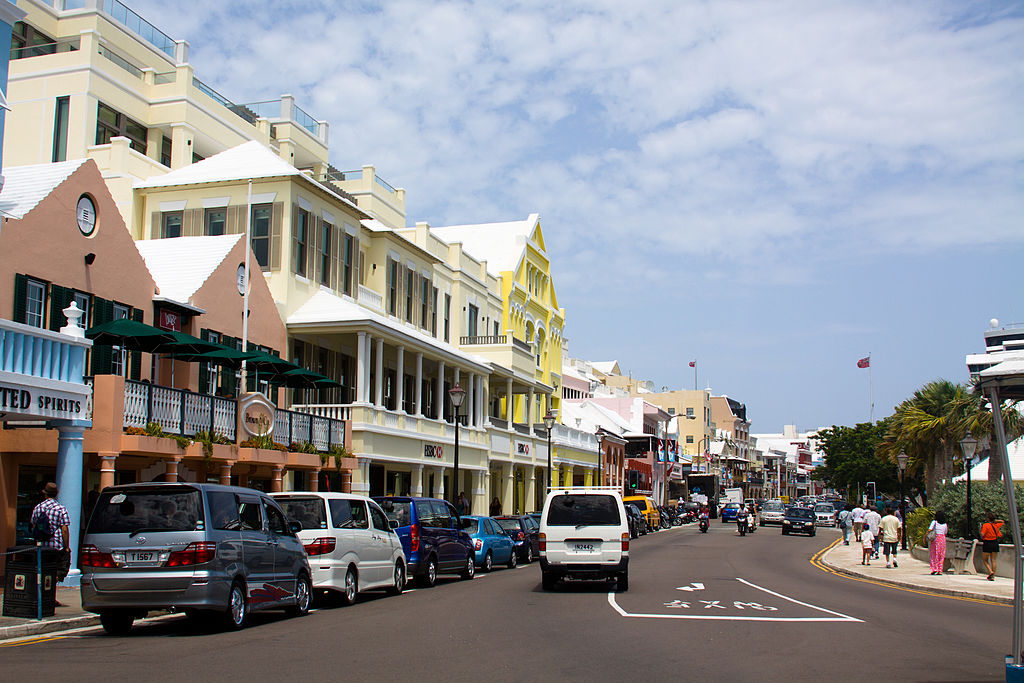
(522, 429)
(521, 344)
(134, 22)
(27, 350)
(306, 121)
(323, 432)
(62, 45)
(178, 411)
(271, 109)
(334, 411)
(358, 175)
(385, 184)
(120, 61)
(492, 339)
(217, 97)
(371, 298)
(165, 77)
(498, 422)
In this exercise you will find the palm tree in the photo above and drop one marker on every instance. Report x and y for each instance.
(980, 423)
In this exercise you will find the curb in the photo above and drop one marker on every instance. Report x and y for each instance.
(908, 584)
(49, 626)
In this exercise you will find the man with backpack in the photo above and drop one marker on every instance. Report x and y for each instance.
(50, 521)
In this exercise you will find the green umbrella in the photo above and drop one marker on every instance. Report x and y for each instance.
(301, 377)
(129, 335)
(221, 356)
(185, 343)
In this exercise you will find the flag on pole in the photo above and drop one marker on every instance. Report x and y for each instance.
(864, 362)
(693, 363)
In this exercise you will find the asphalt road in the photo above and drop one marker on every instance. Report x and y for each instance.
(756, 610)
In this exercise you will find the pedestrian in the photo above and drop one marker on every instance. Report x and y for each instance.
(892, 533)
(461, 504)
(858, 521)
(495, 507)
(845, 523)
(991, 531)
(872, 519)
(51, 520)
(867, 544)
(937, 543)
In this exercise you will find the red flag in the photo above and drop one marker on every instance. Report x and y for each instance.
(864, 362)
(693, 363)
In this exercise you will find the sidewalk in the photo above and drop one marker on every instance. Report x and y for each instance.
(913, 573)
(70, 615)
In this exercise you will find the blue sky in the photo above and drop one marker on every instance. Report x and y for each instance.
(772, 189)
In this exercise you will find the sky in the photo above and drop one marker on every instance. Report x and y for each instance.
(772, 189)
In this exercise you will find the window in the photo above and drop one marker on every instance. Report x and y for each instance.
(689, 413)
(213, 369)
(249, 515)
(424, 303)
(118, 354)
(165, 151)
(471, 321)
(111, 123)
(346, 285)
(410, 277)
(433, 312)
(171, 224)
(214, 220)
(447, 317)
(380, 522)
(301, 241)
(83, 300)
(392, 287)
(325, 254)
(275, 520)
(260, 234)
(442, 514)
(223, 510)
(26, 41)
(60, 129)
(497, 329)
(35, 302)
(359, 519)
(689, 439)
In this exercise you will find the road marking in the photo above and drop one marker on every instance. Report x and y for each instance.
(31, 640)
(694, 586)
(836, 616)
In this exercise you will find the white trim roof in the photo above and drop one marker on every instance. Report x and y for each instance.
(1015, 452)
(605, 367)
(500, 244)
(26, 186)
(180, 265)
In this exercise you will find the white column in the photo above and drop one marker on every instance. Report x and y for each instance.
(400, 389)
(362, 486)
(379, 396)
(529, 410)
(440, 390)
(439, 479)
(471, 398)
(510, 402)
(369, 362)
(419, 384)
(417, 481)
(361, 367)
(481, 404)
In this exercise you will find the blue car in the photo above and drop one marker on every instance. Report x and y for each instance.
(433, 537)
(729, 512)
(491, 544)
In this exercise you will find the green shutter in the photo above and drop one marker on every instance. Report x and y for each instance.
(20, 297)
(102, 356)
(204, 373)
(136, 356)
(227, 375)
(58, 302)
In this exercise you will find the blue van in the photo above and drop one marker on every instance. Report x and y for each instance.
(433, 537)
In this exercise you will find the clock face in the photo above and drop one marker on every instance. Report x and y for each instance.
(86, 215)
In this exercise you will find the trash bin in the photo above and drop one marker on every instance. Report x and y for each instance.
(20, 582)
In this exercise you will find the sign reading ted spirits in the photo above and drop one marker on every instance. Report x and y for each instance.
(522, 448)
(256, 413)
(30, 402)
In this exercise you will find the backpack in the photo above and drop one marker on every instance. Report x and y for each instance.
(41, 530)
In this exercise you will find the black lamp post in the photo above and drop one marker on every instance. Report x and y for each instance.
(600, 458)
(549, 424)
(901, 460)
(968, 445)
(457, 395)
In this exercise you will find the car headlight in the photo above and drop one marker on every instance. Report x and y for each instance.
(785, 521)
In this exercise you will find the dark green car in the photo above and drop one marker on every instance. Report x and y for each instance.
(798, 521)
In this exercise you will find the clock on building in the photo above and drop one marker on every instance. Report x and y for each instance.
(86, 215)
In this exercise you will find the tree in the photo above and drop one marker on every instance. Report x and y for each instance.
(851, 457)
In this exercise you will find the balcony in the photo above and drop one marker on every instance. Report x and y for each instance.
(504, 350)
(62, 45)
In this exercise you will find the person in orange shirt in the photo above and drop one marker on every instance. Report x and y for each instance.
(990, 534)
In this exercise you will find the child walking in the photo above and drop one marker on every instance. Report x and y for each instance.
(867, 541)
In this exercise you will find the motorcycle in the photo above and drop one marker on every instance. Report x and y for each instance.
(703, 524)
(741, 522)
(751, 525)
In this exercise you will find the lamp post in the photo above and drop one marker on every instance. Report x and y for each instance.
(549, 424)
(901, 460)
(968, 445)
(457, 395)
(600, 457)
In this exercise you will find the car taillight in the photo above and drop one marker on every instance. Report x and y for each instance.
(194, 553)
(520, 536)
(625, 543)
(320, 546)
(477, 544)
(414, 537)
(91, 557)
(542, 541)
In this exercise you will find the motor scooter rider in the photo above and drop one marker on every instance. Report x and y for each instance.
(751, 518)
(741, 519)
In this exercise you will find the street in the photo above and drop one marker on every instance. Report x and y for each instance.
(713, 607)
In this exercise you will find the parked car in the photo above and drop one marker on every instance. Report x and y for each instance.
(637, 521)
(432, 536)
(351, 544)
(729, 510)
(646, 505)
(524, 532)
(773, 512)
(491, 544)
(584, 534)
(200, 548)
(799, 520)
(824, 514)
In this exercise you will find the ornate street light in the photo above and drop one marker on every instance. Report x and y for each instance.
(600, 457)
(901, 460)
(549, 424)
(969, 445)
(457, 395)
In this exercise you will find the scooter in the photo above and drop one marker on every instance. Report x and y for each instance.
(703, 524)
(741, 523)
(751, 525)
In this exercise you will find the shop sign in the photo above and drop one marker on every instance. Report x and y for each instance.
(522, 448)
(256, 413)
(26, 402)
(169, 320)
(433, 451)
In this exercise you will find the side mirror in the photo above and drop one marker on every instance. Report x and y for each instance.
(295, 527)
(392, 524)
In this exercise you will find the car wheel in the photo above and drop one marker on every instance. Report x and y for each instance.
(513, 559)
(429, 578)
(469, 571)
(238, 607)
(529, 554)
(399, 580)
(348, 595)
(117, 623)
(813, 532)
(303, 596)
(488, 562)
(548, 581)
(785, 532)
(622, 584)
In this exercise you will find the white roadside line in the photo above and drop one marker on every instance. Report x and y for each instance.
(814, 607)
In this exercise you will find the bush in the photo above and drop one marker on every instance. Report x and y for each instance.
(917, 525)
(952, 499)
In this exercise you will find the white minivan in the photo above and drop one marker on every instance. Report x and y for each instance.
(351, 544)
(584, 534)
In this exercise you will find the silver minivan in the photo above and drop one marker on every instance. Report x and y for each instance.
(200, 548)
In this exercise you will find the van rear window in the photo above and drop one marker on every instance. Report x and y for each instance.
(165, 509)
(309, 512)
(588, 510)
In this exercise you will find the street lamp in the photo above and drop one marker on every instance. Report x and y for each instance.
(549, 424)
(600, 457)
(901, 460)
(457, 395)
(968, 445)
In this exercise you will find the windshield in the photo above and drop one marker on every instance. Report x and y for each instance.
(309, 512)
(586, 510)
(167, 509)
(773, 507)
(799, 513)
(824, 508)
(732, 506)
(508, 524)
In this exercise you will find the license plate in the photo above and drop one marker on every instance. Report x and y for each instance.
(141, 556)
(584, 547)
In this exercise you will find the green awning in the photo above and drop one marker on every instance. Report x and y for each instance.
(129, 334)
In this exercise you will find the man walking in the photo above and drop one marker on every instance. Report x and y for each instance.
(872, 520)
(57, 521)
(858, 521)
(891, 535)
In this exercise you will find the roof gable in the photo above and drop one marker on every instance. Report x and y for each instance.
(249, 160)
(502, 245)
(180, 265)
(26, 186)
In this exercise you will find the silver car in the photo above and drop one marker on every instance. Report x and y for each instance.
(824, 514)
(200, 548)
(773, 512)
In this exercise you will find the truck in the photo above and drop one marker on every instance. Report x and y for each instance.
(704, 489)
(733, 496)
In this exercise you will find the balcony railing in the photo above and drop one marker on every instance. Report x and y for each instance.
(120, 61)
(522, 429)
(334, 411)
(491, 339)
(371, 298)
(62, 45)
(521, 344)
(358, 175)
(129, 19)
(323, 432)
(498, 422)
(178, 411)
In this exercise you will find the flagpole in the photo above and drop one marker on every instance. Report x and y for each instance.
(871, 393)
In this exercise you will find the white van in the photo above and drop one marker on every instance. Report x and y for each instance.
(584, 534)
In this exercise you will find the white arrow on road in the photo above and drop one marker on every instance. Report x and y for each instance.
(694, 586)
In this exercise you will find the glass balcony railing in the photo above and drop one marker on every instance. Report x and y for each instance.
(132, 21)
(62, 45)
